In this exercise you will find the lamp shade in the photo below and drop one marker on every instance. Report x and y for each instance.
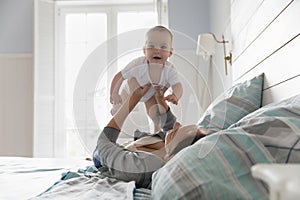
(206, 44)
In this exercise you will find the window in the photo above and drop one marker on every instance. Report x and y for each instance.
(83, 33)
(81, 30)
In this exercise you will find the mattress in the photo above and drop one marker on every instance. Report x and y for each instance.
(24, 178)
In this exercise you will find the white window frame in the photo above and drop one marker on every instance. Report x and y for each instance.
(61, 11)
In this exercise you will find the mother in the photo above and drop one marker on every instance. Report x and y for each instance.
(115, 161)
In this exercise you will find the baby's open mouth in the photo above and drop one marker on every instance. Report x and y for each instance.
(156, 57)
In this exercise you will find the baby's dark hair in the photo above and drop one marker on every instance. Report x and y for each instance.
(159, 28)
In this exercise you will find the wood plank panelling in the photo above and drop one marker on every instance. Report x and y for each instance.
(283, 60)
(269, 43)
(282, 91)
(267, 12)
(278, 33)
(243, 8)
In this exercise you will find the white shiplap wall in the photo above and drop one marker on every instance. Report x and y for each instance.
(266, 39)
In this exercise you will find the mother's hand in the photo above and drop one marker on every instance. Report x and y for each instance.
(139, 92)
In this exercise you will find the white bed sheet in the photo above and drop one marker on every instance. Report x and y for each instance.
(23, 178)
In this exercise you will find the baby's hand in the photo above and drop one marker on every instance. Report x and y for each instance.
(172, 98)
(115, 99)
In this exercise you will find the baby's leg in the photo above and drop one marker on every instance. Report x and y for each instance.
(151, 105)
(152, 111)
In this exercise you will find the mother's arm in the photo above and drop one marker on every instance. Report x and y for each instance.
(118, 119)
(117, 162)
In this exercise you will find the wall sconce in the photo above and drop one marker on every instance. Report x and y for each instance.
(206, 47)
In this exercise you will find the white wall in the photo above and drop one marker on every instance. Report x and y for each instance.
(16, 77)
(220, 24)
(186, 20)
(16, 25)
(189, 17)
(16, 105)
(266, 35)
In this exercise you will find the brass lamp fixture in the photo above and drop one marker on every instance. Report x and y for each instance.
(206, 47)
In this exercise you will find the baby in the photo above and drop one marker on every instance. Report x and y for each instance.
(152, 68)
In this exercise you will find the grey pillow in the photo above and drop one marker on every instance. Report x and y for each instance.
(233, 104)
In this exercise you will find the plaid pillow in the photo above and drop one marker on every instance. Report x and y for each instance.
(233, 104)
(215, 167)
(219, 165)
(277, 126)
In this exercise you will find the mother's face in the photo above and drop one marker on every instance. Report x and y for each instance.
(178, 138)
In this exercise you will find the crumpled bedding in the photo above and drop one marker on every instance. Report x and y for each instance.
(55, 178)
(89, 187)
(88, 183)
(23, 178)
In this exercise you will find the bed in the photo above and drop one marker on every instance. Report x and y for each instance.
(217, 166)
(57, 178)
(23, 178)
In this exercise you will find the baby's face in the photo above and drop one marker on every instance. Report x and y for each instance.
(158, 47)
